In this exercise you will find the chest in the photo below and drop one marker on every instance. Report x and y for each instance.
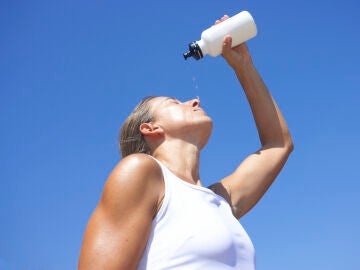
(200, 225)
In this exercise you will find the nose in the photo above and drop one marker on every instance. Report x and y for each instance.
(194, 102)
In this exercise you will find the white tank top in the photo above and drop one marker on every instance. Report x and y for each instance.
(195, 230)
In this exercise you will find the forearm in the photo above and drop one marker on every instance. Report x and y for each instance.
(270, 123)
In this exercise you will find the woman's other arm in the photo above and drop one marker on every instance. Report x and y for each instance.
(117, 232)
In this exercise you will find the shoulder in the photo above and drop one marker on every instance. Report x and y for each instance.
(136, 177)
(136, 165)
(221, 190)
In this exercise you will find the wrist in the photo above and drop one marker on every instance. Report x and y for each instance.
(245, 64)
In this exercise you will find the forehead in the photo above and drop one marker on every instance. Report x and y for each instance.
(158, 101)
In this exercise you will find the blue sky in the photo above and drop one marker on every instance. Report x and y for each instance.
(71, 71)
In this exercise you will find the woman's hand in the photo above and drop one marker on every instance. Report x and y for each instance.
(237, 57)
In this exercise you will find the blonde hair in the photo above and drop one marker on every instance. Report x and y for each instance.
(130, 139)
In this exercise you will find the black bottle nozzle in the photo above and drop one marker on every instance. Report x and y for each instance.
(194, 51)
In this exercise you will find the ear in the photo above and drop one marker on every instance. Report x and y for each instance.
(150, 129)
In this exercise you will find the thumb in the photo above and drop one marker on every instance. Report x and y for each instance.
(226, 46)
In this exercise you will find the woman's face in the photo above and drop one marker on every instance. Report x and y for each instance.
(181, 119)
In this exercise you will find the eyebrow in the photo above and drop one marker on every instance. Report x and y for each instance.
(172, 98)
(166, 99)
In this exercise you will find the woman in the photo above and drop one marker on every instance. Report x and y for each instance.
(155, 214)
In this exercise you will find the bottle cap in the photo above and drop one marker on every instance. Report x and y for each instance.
(194, 51)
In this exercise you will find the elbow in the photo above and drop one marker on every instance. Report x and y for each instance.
(290, 148)
(289, 145)
(286, 144)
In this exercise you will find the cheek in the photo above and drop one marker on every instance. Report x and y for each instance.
(174, 115)
(173, 119)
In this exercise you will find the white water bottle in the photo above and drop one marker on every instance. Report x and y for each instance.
(240, 27)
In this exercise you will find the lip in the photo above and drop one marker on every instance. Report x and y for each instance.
(199, 109)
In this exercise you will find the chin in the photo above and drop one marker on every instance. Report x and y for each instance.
(206, 133)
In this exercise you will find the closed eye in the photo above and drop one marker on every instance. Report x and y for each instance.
(174, 100)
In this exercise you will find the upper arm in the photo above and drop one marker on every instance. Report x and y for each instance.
(117, 232)
(248, 183)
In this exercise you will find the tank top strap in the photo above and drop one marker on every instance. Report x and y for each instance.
(167, 191)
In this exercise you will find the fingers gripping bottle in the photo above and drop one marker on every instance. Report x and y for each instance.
(240, 27)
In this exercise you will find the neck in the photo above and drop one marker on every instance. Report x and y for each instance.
(180, 158)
